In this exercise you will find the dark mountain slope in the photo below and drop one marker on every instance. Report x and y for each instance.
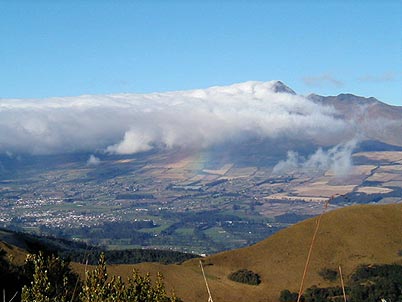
(369, 117)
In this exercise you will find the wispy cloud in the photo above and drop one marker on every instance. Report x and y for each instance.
(337, 159)
(322, 80)
(380, 78)
(130, 123)
(93, 160)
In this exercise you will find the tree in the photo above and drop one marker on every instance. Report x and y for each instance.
(52, 280)
(97, 287)
(288, 296)
(328, 274)
(245, 276)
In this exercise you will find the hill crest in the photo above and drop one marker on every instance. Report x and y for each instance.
(349, 237)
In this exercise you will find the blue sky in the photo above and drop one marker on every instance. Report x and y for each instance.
(68, 48)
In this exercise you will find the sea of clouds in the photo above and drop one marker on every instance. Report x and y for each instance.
(196, 119)
(131, 123)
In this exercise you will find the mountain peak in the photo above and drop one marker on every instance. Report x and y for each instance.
(250, 87)
(274, 86)
(280, 87)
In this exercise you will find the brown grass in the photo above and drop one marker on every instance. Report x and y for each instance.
(391, 156)
(14, 254)
(347, 237)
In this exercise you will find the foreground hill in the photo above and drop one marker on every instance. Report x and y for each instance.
(349, 237)
(369, 234)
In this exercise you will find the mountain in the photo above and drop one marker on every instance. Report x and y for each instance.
(369, 118)
(280, 87)
(349, 237)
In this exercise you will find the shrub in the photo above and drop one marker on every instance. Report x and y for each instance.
(368, 283)
(317, 294)
(288, 296)
(373, 282)
(245, 276)
(328, 274)
(54, 282)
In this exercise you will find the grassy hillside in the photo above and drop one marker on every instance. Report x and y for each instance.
(367, 234)
(16, 255)
(348, 237)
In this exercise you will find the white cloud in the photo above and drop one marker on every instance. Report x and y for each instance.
(378, 78)
(322, 80)
(337, 159)
(130, 123)
(93, 160)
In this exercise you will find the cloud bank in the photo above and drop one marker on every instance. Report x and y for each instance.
(131, 123)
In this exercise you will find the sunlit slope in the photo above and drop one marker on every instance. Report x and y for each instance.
(13, 253)
(347, 237)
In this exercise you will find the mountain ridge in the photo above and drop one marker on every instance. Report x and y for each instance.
(370, 118)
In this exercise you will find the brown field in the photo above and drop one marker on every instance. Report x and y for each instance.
(176, 175)
(373, 190)
(389, 200)
(281, 196)
(263, 172)
(210, 177)
(321, 189)
(392, 184)
(391, 169)
(154, 172)
(222, 171)
(196, 178)
(363, 169)
(390, 156)
(241, 172)
(355, 170)
(384, 177)
(182, 163)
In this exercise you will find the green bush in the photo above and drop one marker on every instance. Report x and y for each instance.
(328, 274)
(368, 283)
(54, 282)
(288, 296)
(245, 276)
(373, 282)
(329, 294)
